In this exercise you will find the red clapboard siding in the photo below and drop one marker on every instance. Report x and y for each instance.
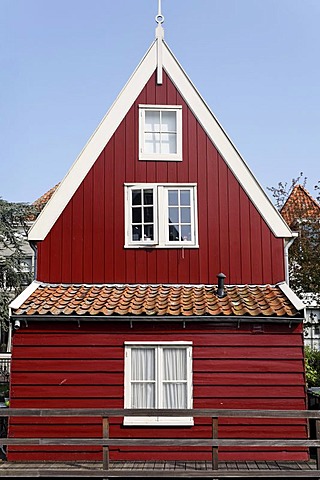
(202, 353)
(84, 367)
(86, 244)
(32, 454)
(90, 365)
(224, 339)
(228, 423)
(114, 378)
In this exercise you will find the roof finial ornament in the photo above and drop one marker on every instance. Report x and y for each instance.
(159, 39)
(159, 17)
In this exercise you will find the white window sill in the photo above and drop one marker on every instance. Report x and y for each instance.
(158, 421)
(160, 158)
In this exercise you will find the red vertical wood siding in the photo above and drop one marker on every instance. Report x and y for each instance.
(86, 244)
(62, 365)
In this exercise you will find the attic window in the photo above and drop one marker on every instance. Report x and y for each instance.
(160, 132)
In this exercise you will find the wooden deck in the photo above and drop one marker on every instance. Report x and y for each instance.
(159, 469)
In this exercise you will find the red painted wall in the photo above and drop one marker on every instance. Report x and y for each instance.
(86, 243)
(59, 365)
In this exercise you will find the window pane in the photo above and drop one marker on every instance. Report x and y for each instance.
(136, 215)
(185, 215)
(152, 143)
(180, 215)
(168, 143)
(173, 233)
(173, 214)
(148, 197)
(148, 214)
(143, 395)
(175, 371)
(175, 395)
(186, 233)
(148, 232)
(185, 197)
(143, 364)
(136, 233)
(136, 197)
(152, 121)
(168, 121)
(175, 363)
(173, 197)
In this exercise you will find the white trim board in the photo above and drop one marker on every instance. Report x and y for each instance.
(291, 296)
(27, 292)
(112, 120)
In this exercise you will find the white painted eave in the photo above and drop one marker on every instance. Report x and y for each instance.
(294, 299)
(20, 299)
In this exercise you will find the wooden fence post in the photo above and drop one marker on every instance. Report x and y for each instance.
(214, 449)
(318, 438)
(105, 448)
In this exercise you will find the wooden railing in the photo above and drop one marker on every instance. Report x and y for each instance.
(5, 363)
(214, 442)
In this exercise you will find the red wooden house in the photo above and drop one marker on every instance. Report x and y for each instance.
(125, 310)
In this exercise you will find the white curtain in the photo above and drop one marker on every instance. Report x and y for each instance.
(175, 378)
(143, 378)
(165, 388)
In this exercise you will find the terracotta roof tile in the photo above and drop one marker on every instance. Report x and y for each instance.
(44, 199)
(157, 300)
(300, 204)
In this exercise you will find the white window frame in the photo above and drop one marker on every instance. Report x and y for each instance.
(162, 421)
(129, 220)
(160, 156)
(161, 219)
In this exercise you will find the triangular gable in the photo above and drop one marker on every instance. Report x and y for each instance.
(116, 114)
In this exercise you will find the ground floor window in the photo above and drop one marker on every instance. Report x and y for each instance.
(158, 375)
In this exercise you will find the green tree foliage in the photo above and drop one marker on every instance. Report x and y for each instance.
(14, 224)
(312, 362)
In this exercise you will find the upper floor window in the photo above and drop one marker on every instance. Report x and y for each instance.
(163, 215)
(160, 129)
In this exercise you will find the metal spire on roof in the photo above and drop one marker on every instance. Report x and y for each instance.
(159, 38)
(159, 17)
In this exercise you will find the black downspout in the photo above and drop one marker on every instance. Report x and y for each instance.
(33, 245)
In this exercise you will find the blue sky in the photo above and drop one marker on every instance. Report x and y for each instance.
(63, 63)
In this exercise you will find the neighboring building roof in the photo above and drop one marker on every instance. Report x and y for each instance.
(117, 113)
(41, 202)
(155, 300)
(300, 205)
